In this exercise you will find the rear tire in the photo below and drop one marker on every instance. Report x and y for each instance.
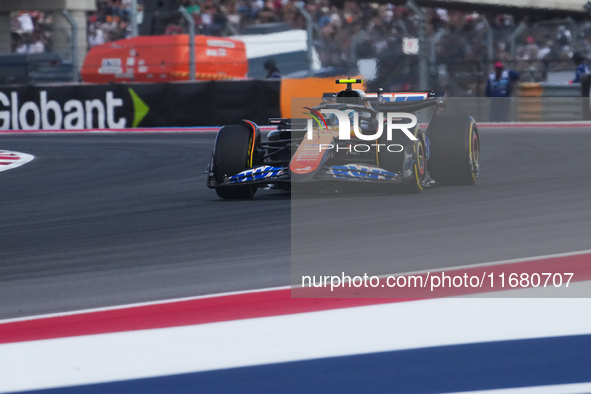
(394, 162)
(419, 170)
(455, 150)
(234, 152)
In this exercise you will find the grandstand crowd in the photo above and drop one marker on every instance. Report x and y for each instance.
(347, 31)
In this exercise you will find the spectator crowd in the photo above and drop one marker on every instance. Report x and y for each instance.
(458, 42)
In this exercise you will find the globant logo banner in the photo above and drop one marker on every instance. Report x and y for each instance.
(48, 114)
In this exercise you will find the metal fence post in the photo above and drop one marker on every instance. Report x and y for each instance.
(191, 23)
(574, 28)
(310, 34)
(133, 15)
(518, 31)
(74, 43)
(433, 50)
(489, 39)
(423, 53)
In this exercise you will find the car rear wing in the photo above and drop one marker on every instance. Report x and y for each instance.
(407, 101)
(397, 97)
(390, 97)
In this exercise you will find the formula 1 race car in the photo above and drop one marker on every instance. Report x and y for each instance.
(351, 136)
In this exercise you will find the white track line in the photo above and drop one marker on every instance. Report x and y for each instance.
(172, 300)
(573, 388)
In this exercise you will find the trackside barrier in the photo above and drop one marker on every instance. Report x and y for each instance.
(586, 91)
(530, 106)
(541, 102)
(111, 106)
(536, 102)
(220, 102)
(174, 104)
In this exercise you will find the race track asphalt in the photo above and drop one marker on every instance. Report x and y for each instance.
(108, 219)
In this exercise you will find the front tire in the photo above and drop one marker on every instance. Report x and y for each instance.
(455, 150)
(234, 152)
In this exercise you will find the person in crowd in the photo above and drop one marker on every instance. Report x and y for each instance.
(26, 22)
(500, 83)
(500, 87)
(272, 70)
(31, 44)
(581, 69)
(95, 35)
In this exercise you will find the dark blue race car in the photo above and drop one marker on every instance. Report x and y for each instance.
(350, 137)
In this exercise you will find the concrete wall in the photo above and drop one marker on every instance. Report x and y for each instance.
(551, 102)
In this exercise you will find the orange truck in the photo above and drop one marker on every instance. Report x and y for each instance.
(164, 59)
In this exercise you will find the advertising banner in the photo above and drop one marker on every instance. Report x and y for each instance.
(116, 106)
